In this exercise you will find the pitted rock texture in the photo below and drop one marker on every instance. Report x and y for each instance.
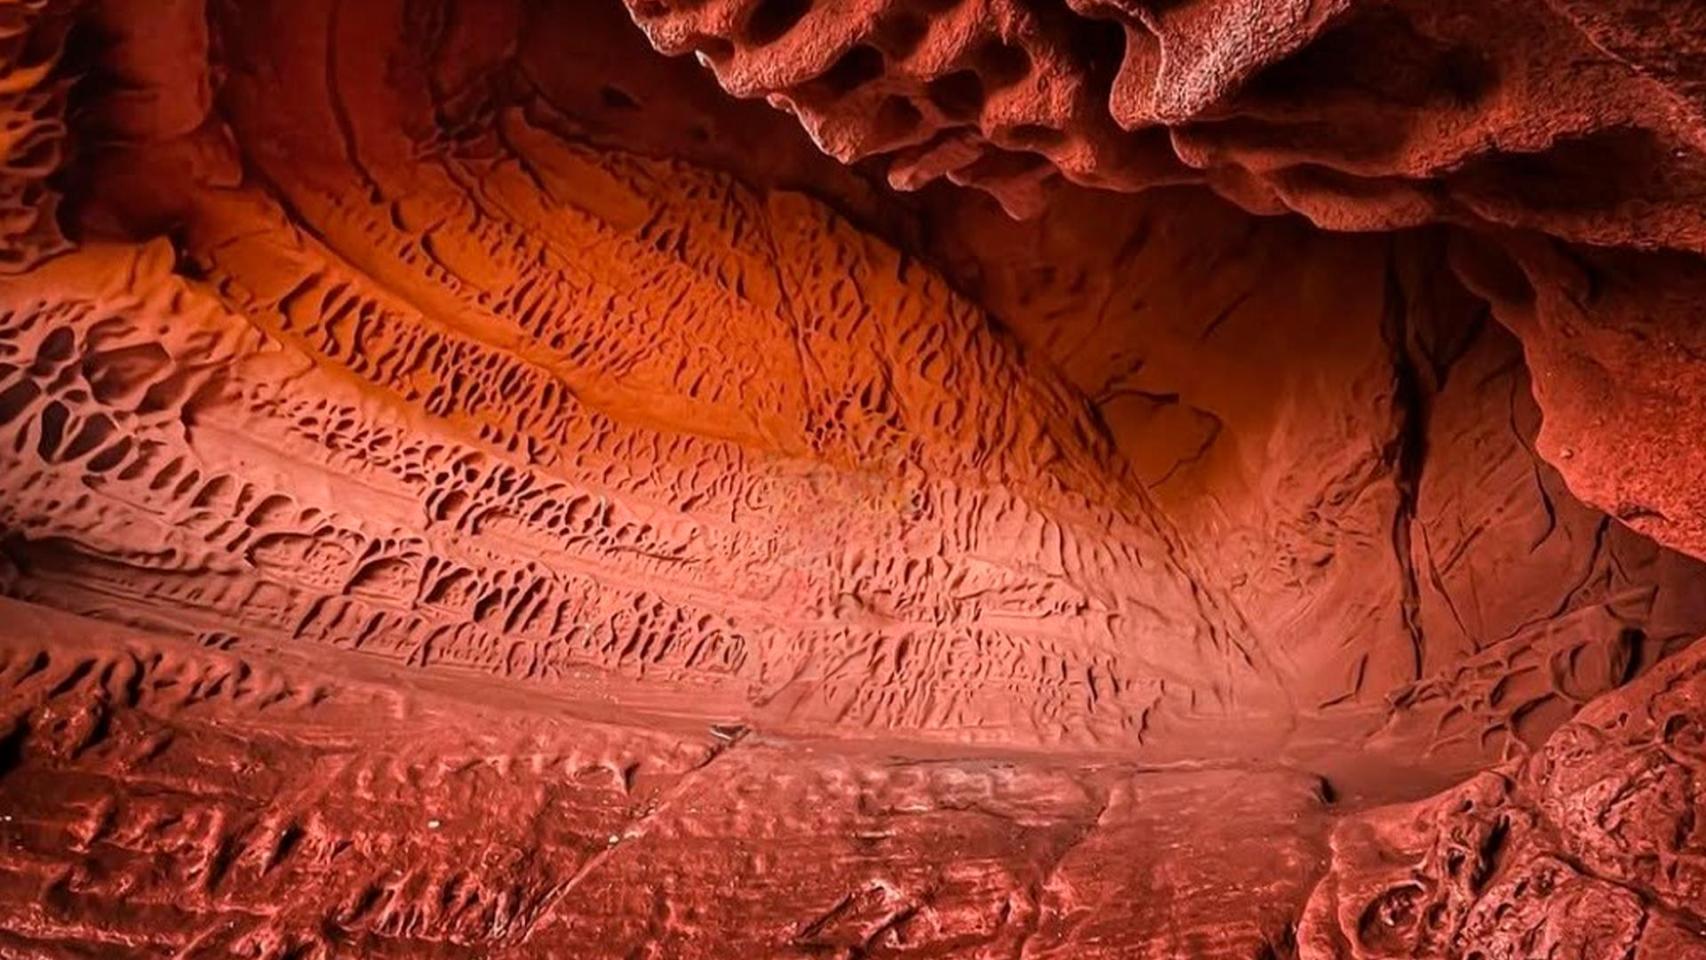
(170, 798)
(682, 546)
(32, 127)
(1588, 849)
(532, 406)
(1567, 136)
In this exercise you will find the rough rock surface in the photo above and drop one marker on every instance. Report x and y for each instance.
(1590, 848)
(682, 546)
(32, 127)
(1553, 129)
(169, 798)
(1579, 119)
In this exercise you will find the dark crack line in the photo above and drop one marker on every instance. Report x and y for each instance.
(1406, 453)
(554, 898)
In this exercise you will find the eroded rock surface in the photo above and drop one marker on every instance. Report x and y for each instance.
(1552, 129)
(1590, 848)
(1572, 118)
(32, 127)
(680, 545)
(168, 798)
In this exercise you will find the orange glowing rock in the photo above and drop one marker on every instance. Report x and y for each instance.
(468, 487)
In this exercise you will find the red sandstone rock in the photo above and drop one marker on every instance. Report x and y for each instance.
(679, 545)
(1577, 121)
(1587, 849)
(32, 128)
(1570, 118)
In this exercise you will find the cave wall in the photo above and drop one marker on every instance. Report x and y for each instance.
(32, 101)
(683, 546)
(1564, 136)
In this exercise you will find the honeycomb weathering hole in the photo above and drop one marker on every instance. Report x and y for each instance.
(469, 486)
(958, 95)
(857, 67)
(770, 20)
(1000, 64)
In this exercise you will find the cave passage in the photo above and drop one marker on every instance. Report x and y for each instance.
(900, 478)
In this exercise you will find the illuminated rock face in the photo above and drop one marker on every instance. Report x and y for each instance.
(1586, 849)
(32, 106)
(1545, 125)
(469, 488)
